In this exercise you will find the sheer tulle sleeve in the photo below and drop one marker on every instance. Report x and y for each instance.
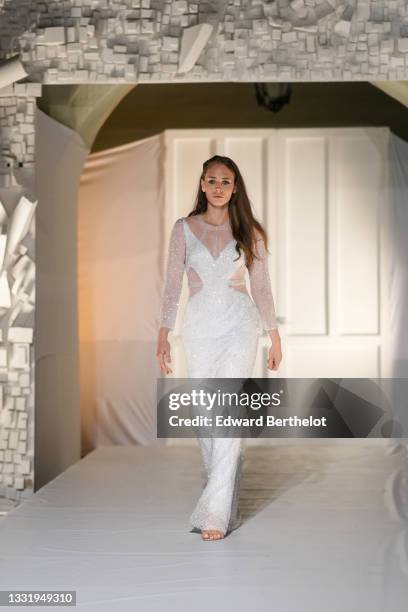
(174, 276)
(261, 287)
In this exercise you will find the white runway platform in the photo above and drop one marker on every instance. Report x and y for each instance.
(325, 529)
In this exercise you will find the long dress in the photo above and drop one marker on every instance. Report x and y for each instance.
(220, 329)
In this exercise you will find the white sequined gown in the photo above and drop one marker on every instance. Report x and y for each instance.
(220, 329)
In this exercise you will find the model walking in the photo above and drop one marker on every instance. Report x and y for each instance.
(215, 245)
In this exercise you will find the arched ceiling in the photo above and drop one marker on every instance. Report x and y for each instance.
(83, 108)
(86, 108)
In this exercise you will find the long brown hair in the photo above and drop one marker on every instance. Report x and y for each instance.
(245, 228)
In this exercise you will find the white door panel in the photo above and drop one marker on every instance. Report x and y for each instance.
(250, 156)
(357, 166)
(333, 361)
(303, 197)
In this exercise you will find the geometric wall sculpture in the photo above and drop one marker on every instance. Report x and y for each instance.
(17, 288)
(140, 40)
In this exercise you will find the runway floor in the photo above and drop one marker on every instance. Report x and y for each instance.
(325, 529)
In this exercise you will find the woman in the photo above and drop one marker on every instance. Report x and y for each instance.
(215, 244)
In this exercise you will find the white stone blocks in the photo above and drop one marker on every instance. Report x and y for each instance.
(299, 7)
(52, 36)
(18, 483)
(326, 23)
(19, 357)
(403, 45)
(13, 440)
(16, 389)
(25, 467)
(20, 334)
(178, 7)
(387, 46)
(343, 28)
(170, 43)
(193, 43)
(20, 402)
(11, 70)
(260, 26)
(289, 37)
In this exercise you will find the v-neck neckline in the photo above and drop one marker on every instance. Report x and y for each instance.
(202, 243)
(200, 218)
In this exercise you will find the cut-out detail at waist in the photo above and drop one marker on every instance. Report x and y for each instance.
(232, 282)
(195, 284)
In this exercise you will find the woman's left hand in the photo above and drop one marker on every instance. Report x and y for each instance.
(274, 358)
(275, 352)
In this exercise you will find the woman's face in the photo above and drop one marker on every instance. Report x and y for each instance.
(218, 184)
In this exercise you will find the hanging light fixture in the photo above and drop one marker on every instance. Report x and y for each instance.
(273, 96)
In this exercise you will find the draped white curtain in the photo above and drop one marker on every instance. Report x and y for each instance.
(399, 273)
(119, 283)
(121, 213)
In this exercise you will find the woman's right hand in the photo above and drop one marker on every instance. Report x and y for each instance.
(163, 352)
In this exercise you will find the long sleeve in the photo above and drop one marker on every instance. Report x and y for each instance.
(261, 287)
(174, 276)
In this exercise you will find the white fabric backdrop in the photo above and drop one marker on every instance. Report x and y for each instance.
(121, 210)
(399, 271)
(119, 238)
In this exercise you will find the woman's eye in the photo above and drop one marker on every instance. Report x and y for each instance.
(213, 182)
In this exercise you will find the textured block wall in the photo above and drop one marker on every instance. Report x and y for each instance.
(17, 288)
(141, 40)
